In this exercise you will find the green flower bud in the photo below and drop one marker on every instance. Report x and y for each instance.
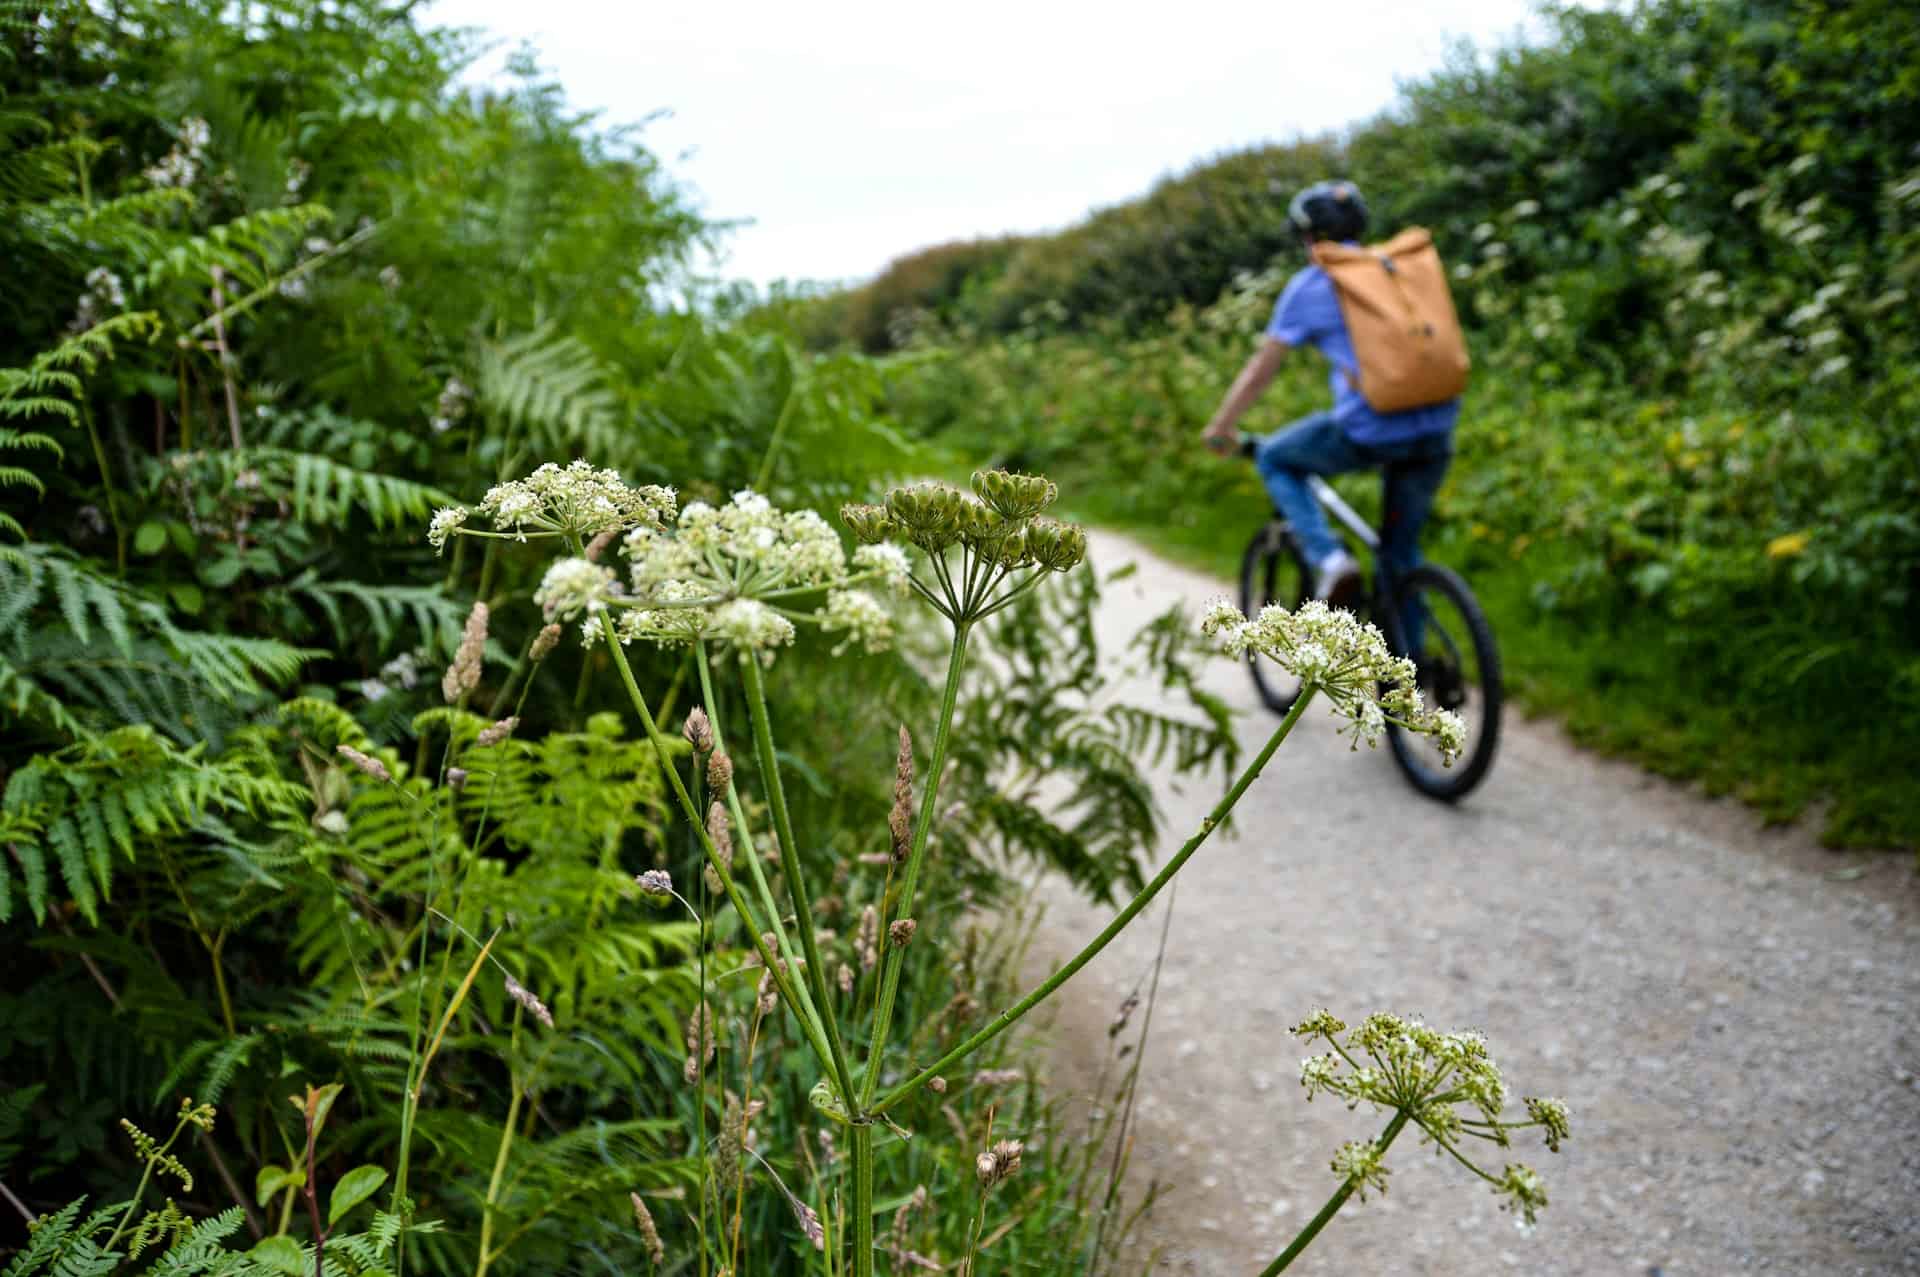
(1015, 496)
(1010, 551)
(980, 527)
(870, 524)
(1056, 546)
(927, 513)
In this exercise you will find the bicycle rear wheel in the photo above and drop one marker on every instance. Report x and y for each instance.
(1439, 624)
(1272, 571)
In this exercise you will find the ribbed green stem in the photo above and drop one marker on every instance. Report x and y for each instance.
(796, 879)
(862, 1232)
(917, 853)
(1006, 1019)
(667, 769)
(1327, 1212)
(745, 851)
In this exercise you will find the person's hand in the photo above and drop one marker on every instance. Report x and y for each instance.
(1224, 442)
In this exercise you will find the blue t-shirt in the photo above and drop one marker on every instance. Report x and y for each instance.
(1308, 314)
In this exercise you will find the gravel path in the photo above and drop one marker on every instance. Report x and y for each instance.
(1731, 1016)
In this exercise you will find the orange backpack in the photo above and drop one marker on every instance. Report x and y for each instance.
(1399, 312)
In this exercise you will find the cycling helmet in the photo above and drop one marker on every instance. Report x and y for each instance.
(1329, 210)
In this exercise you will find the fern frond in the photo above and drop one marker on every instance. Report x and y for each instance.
(49, 1238)
(247, 248)
(551, 387)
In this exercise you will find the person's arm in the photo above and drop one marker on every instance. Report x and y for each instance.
(1253, 380)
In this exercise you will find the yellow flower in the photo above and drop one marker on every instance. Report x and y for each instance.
(1787, 546)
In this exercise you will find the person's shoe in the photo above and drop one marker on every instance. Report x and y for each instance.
(1337, 581)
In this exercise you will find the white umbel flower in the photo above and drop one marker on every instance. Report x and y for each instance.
(573, 586)
(446, 521)
(887, 559)
(751, 624)
(1334, 652)
(860, 617)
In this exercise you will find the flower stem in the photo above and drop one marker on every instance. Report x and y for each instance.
(1334, 1203)
(862, 1231)
(1006, 1019)
(746, 852)
(816, 973)
(923, 827)
(660, 750)
(499, 1163)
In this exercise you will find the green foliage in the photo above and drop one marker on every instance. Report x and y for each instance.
(240, 366)
(1686, 243)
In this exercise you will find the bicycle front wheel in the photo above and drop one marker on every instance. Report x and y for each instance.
(1272, 571)
(1439, 624)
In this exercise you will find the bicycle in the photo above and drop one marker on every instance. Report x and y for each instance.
(1451, 644)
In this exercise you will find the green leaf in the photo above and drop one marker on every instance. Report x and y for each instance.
(187, 596)
(222, 572)
(282, 1255)
(356, 1186)
(272, 1179)
(183, 538)
(149, 538)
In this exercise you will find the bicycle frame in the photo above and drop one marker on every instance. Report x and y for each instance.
(1323, 493)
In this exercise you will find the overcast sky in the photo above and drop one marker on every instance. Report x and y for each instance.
(852, 132)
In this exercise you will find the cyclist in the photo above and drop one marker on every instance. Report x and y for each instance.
(1414, 447)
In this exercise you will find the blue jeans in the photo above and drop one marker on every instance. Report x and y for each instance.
(1411, 472)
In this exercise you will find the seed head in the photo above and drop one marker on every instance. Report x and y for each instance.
(720, 833)
(938, 1085)
(719, 772)
(365, 762)
(656, 885)
(870, 524)
(698, 730)
(998, 1163)
(1013, 496)
(767, 996)
(845, 978)
(1055, 546)
(544, 642)
(643, 1220)
(900, 818)
(700, 1042)
(810, 1223)
(866, 940)
(456, 778)
(495, 733)
(464, 674)
(528, 999)
(900, 932)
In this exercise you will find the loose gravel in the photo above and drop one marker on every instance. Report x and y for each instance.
(1730, 1011)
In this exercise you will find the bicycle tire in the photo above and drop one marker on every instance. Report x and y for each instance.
(1417, 761)
(1272, 570)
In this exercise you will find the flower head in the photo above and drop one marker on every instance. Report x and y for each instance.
(1551, 1115)
(1335, 653)
(1361, 1164)
(1445, 1083)
(857, 614)
(1522, 1192)
(574, 586)
(734, 574)
(446, 521)
(576, 500)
